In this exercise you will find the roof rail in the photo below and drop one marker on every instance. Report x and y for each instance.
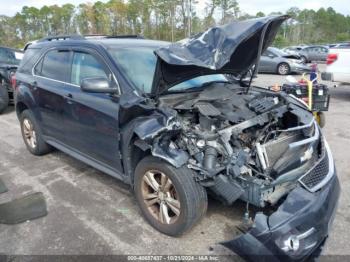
(61, 37)
(126, 36)
(85, 37)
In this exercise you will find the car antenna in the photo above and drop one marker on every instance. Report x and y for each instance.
(261, 44)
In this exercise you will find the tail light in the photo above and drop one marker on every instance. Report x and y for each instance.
(13, 80)
(331, 58)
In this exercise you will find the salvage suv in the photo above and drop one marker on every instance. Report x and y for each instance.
(178, 121)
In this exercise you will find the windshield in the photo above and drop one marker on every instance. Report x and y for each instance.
(277, 51)
(138, 64)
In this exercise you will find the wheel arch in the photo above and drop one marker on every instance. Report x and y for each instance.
(20, 107)
(135, 146)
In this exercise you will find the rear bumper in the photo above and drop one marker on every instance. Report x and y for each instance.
(340, 77)
(304, 215)
(300, 68)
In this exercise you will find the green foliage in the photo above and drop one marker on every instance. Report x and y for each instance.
(169, 20)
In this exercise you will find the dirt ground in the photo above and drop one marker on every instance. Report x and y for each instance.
(92, 213)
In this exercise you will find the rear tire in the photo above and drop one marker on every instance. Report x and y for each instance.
(183, 199)
(283, 69)
(4, 98)
(32, 135)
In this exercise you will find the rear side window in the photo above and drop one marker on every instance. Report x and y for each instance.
(85, 65)
(30, 57)
(54, 65)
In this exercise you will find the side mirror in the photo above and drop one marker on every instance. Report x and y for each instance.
(97, 85)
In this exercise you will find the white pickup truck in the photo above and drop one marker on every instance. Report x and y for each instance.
(338, 65)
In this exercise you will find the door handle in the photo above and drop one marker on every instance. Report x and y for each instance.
(69, 98)
(34, 85)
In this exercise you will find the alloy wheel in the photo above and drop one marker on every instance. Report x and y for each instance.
(29, 133)
(160, 196)
(283, 69)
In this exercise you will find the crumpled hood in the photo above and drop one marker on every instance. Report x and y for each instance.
(231, 48)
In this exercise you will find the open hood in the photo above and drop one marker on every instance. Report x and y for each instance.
(232, 49)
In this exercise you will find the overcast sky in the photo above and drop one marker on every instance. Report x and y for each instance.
(8, 7)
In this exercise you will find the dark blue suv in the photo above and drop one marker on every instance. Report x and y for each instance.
(178, 121)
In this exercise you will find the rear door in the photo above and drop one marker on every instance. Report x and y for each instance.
(50, 75)
(313, 53)
(91, 119)
(323, 54)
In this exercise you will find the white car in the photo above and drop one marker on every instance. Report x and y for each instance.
(338, 65)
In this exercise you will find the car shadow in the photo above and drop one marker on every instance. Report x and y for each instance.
(341, 92)
(8, 110)
(215, 207)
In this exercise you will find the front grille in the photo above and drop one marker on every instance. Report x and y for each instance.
(316, 175)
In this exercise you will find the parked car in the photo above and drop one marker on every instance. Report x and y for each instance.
(164, 119)
(345, 44)
(313, 53)
(9, 60)
(274, 60)
(292, 50)
(338, 65)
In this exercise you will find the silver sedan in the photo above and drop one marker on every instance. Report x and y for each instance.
(274, 60)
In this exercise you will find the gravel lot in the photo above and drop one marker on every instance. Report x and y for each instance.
(92, 213)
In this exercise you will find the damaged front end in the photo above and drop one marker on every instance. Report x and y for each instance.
(248, 144)
(255, 146)
(260, 147)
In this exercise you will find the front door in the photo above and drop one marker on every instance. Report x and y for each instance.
(266, 63)
(91, 119)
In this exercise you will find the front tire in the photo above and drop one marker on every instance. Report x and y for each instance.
(32, 135)
(4, 98)
(283, 69)
(169, 198)
(303, 59)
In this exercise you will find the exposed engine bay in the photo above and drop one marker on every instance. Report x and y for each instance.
(252, 146)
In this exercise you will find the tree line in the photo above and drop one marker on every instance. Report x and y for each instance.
(169, 20)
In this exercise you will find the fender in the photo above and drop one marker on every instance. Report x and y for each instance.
(24, 95)
(149, 132)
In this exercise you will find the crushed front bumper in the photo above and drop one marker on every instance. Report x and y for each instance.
(296, 231)
(300, 68)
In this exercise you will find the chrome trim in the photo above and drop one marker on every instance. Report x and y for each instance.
(295, 239)
(51, 79)
(330, 170)
(298, 127)
(309, 140)
(306, 233)
(72, 50)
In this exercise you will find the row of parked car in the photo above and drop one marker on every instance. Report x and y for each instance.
(308, 53)
(292, 59)
(9, 61)
(285, 61)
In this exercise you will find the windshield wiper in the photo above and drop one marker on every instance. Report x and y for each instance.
(200, 87)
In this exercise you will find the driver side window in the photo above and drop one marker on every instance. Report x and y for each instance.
(85, 65)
